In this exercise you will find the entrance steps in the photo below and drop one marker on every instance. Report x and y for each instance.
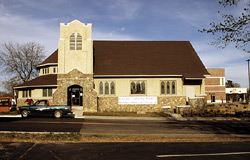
(77, 111)
(177, 117)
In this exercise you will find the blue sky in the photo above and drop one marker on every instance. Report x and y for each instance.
(32, 20)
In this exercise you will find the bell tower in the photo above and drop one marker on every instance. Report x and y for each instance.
(75, 50)
(75, 68)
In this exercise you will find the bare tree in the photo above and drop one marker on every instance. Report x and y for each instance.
(233, 29)
(20, 60)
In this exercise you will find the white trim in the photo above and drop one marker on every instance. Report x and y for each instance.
(47, 64)
(224, 91)
(216, 77)
(101, 76)
(213, 85)
(195, 78)
(35, 86)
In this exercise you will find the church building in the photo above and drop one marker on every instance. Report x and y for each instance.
(119, 76)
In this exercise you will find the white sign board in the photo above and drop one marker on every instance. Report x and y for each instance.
(137, 100)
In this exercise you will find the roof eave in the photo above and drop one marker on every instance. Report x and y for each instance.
(34, 86)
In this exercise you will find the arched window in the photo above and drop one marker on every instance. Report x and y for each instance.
(162, 87)
(106, 88)
(138, 87)
(112, 88)
(173, 87)
(75, 41)
(168, 87)
(100, 88)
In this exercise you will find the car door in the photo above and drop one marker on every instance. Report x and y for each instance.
(39, 109)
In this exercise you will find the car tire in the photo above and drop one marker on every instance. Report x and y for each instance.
(25, 114)
(58, 114)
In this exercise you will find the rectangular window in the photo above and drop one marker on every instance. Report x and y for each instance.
(47, 92)
(138, 87)
(26, 93)
(50, 92)
(44, 92)
(54, 70)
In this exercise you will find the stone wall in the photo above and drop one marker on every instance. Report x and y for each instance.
(76, 77)
(198, 102)
(110, 104)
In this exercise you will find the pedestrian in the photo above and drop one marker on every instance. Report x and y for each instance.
(29, 101)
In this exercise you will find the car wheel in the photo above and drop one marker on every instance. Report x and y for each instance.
(25, 113)
(58, 114)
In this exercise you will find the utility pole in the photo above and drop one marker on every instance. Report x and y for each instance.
(248, 79)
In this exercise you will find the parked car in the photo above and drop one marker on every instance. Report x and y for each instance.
(42, 108)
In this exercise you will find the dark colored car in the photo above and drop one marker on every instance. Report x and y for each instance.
(42, 108)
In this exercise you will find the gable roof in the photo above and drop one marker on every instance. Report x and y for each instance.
(133, 58)
(41, 81)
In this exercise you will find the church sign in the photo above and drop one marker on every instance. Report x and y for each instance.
(137, 100)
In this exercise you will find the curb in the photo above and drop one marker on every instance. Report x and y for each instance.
(125, 118)
(11, 116)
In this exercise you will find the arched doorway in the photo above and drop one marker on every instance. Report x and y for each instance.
(75, 95)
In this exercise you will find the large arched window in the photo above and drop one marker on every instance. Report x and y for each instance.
(138, 87)
(75, 41)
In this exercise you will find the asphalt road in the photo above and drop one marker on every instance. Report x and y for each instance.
(41, 124)
(123, 127)
(125, 151)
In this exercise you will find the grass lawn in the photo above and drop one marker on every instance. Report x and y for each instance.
(94, 138)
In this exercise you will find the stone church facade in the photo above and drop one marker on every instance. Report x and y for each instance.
(127, 76)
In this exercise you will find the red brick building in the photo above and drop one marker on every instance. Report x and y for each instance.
(215, 88)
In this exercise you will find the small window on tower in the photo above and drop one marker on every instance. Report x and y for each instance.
(75, 41)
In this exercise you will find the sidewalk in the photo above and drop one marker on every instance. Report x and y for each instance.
(173, 117)
(10, 116)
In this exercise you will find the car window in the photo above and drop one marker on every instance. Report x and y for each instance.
(40, 103)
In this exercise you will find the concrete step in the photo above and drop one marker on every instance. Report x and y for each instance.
(77, 111)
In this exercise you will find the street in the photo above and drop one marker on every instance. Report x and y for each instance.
(125, 127)
(125, 151)
(145, 150)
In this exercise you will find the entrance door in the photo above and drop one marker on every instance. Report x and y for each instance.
(190, 92)
(75, 95)
(212, 97)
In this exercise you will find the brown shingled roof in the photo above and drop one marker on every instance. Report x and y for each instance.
(147, 58)
(53, 58)
(133, 58)
(44, 80)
